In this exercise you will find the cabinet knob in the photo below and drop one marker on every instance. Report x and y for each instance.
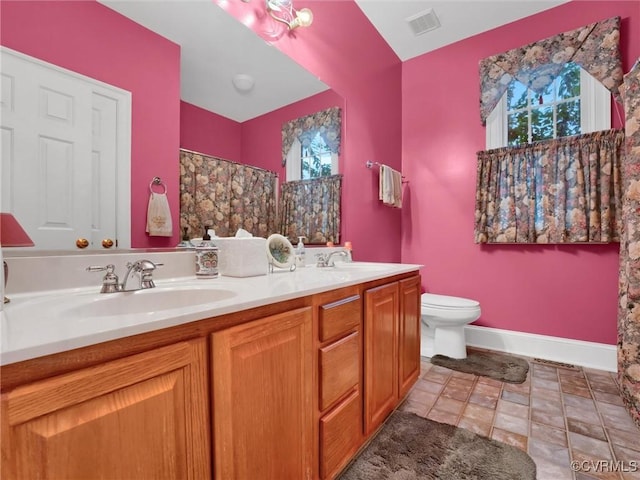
(82, 243)
(107, 243)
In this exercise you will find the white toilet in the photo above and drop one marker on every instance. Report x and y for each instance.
(443, 322)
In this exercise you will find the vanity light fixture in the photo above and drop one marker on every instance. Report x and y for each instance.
(283, 11)
(12, 235)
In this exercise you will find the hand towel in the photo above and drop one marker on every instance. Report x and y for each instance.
(390, 187)
(159, 216)
(397, 188)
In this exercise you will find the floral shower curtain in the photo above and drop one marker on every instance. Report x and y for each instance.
(629, 292)
(311, 208)
(555, 191)
(226, 196)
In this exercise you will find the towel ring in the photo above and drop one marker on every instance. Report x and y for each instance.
(157, 181)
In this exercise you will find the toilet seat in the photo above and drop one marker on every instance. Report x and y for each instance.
(445, 302)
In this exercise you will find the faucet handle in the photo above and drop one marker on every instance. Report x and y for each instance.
(321, 260)
(143, 265)
(145, 269)
(110, 280)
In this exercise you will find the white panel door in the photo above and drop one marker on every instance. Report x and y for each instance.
(59, 153)
(103, 159)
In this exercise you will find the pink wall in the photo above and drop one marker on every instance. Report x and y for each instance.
(565, 291)
(207, 132)
(370, 81)
(91, 39)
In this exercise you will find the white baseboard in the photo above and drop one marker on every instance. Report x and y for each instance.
(576, 352)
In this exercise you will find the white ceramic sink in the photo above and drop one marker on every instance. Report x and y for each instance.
(149, 301)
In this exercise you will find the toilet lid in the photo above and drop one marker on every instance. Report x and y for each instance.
(445, 301)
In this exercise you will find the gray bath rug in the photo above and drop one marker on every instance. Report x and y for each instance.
(410, 447)
(505, 368)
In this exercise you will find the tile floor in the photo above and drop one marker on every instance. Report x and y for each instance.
(558, 416)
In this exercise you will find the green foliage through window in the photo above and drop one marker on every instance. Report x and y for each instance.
(551, 114)
(316, 159)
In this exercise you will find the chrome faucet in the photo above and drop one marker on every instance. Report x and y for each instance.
(143, 268)
(327, 260)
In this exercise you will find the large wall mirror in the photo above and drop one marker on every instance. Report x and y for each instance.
(207, 63)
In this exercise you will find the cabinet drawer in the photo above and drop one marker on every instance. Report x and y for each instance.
(339, 369)
(340, 317)
(340, 435)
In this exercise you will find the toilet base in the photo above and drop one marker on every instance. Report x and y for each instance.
(448, 341)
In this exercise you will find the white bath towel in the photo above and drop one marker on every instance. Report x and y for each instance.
(159, 216)
(390, 187)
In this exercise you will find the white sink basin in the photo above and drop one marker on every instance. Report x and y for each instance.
(149, 301)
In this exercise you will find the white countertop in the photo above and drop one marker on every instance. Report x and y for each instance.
(47, 322)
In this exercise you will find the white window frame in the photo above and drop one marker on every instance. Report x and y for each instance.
(293, 169)
(595, 112)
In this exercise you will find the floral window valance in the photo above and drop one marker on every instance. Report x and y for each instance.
(595, 47)
(327, 123)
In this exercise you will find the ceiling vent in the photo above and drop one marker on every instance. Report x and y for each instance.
(423, 22)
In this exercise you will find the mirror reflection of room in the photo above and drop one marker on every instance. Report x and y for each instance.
(237, 114)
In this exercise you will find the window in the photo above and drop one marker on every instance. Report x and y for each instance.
(572, 104)
(315, 159)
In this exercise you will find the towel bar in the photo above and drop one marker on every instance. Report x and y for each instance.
(369, 164)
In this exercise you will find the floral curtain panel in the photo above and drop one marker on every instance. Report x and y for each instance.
(629, 294)
(558, 191)
(311, 208)
(226, 196)
(328, 123)
(594, 47)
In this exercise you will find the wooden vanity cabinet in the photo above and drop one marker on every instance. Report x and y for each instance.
(284, 391)
(339, 379)
(392, 347)
(262, 383)
(145, 415)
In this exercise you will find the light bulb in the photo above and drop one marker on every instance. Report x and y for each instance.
(304, 17)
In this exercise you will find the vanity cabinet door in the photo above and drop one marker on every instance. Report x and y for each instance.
(381, 354)
(262, 398)
(409, 335)
(144, 416)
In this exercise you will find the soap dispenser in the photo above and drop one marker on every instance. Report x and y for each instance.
(300, 253)
(206, 257)
(186, 241)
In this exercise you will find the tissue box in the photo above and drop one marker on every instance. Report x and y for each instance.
(242, 257)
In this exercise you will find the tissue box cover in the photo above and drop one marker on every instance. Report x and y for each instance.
(242, 257)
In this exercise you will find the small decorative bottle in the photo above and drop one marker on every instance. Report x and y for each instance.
(206, 257)
(300, 253)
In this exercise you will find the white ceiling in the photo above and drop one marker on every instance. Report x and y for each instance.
(459, 19)
(208, 64)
